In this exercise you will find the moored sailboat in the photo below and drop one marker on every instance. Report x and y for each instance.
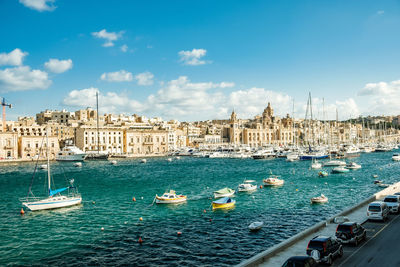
(54, 199)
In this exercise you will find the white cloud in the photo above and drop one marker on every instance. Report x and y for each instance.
(118, 76)
(186, 100)
(381, 98)
(110, 102)
(110, 37)
(23, 78)
(14, 58)
(124, 48)
(145, 78)
(252, 101)
(380, 12)
(193, 57)
(39, 5)
(58, 66)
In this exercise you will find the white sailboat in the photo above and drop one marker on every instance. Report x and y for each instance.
(54, 199)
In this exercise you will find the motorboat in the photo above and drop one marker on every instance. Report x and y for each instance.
(54, 199)
(323, 173)
(169, 159)
(334, 163)
(396, 157)
(320, 199)
(143, 160)
(170, 198)
(255, 226)
(224, 192)
(113, 162)
(43, 167)
(340, 169)
(316, 165)
(223, 203)
(71, 153)
(292, 157)
(350, 151)
(273, 180)
(313, 155)
(353, 166)
(264, 154)
(78, 164)
(247, 186)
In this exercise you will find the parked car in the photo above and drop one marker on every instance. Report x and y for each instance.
(300, 261)
(324, 249)
(350, 232)
(393, 202)
(378, 210)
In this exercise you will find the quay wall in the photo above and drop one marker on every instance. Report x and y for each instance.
(265, 255)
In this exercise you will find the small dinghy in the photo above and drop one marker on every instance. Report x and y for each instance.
(143, 161)
(224, 192)
(323, 173)
(223, 203)
(170, 198)
(113, 162)
(78, 164)
(43, 167)
(273, 180)
(247, 186)
(255, 226)
(169, 159)
(353, 166)
(321, 199)
(340, 169)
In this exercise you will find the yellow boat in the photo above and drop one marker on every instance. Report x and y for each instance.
(170, 198)
(223, 203)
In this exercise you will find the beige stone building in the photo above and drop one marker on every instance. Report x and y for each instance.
(110, 139)
(264, 130)
(145, 141)
(8, 145)
(33, 147)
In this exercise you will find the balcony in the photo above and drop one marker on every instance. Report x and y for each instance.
(148, 143)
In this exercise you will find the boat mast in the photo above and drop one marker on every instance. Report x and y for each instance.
(293, 125)
(48, 160)
(97, 110)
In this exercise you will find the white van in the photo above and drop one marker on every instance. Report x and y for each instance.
(377, 210)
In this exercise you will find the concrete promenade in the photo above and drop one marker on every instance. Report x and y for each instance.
(297, 244)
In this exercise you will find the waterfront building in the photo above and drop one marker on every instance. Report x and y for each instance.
(8, 145)
(106, 139)
(62, 116)
(33, 147)
(263, 130)
(145, 141)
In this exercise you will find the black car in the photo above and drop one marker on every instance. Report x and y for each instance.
(350, 232)
(300, 261)
(324, 248)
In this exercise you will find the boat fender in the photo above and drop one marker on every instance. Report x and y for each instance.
(261, 186)
(140, 240)
(140, 219)
(102, 229)
(93, 202)
(133, 199)
(22, 211)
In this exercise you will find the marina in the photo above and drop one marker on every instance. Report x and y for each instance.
(76, 237)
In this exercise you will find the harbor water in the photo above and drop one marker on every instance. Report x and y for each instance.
(74, 236)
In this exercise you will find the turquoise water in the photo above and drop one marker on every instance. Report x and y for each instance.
(73, 236)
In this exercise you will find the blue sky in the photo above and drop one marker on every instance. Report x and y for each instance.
(197, 60)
